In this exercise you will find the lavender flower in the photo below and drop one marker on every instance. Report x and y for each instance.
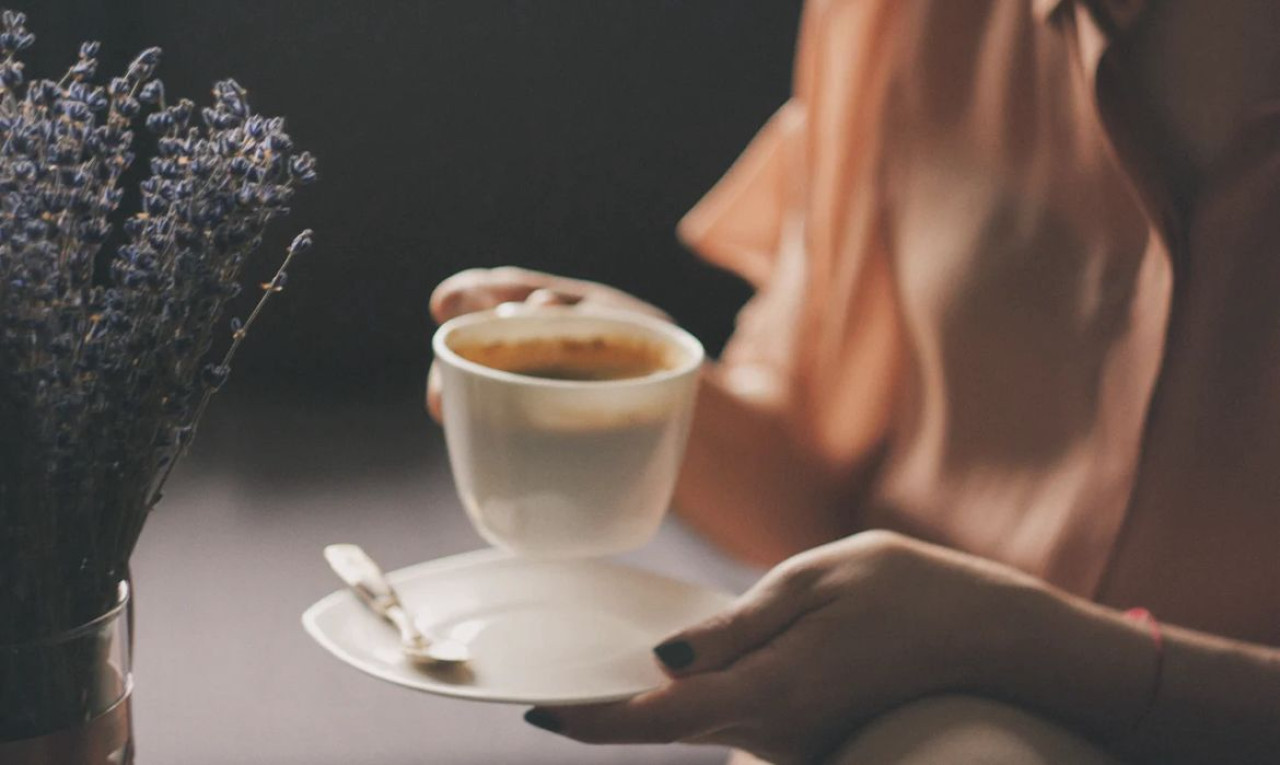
(103, 371)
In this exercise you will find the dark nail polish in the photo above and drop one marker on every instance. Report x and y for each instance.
(676, 655)
(540, 718)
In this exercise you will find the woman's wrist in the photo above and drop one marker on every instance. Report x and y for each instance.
(1005, 640)
(1085, 665)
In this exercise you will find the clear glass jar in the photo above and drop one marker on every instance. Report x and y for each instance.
(64, 698)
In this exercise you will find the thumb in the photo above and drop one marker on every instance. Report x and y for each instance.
(754, 619)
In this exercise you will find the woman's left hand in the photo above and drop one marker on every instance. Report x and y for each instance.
(824, 642)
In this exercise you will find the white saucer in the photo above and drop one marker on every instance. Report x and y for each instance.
(539, 631)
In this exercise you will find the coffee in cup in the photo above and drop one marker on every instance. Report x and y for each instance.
(596, 358)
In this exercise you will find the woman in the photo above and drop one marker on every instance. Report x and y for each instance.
(1015, 263)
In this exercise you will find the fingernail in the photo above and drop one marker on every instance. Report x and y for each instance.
(540, 718)
(676, 655)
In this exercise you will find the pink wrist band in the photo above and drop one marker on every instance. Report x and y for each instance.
(1157, 639)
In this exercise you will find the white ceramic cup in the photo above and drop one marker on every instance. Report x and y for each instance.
(565, 468)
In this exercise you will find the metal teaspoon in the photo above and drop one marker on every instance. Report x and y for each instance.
(354, 566)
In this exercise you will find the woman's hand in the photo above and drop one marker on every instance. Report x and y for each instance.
(842, 633)
(826, 641)
(480, 289)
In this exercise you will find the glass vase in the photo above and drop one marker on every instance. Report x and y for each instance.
(64, 698)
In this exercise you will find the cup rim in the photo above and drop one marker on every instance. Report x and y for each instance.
(506, 312)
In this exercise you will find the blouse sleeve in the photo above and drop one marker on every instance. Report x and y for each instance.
(800, 216)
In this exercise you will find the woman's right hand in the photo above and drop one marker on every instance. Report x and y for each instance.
(479, 289)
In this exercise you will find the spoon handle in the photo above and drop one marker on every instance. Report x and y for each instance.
(354, 566)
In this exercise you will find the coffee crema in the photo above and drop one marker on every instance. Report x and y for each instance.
(599, 358)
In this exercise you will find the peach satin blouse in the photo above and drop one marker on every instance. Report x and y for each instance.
(972, 261)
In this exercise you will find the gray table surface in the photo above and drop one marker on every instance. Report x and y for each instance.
(231, 557)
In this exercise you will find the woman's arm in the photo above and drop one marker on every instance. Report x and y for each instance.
(1215, 700)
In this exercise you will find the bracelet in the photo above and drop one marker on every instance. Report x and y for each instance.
(1157, 640)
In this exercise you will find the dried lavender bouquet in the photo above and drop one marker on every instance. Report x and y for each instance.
(104, 369)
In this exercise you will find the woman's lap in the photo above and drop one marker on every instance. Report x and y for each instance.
(962, 730)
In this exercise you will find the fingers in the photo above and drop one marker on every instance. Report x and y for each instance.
(757, 617)
(691, 708)
(544, 297)
(480, 289)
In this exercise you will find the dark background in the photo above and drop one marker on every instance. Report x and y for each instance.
(563, 135)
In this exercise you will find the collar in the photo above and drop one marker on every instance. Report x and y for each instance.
(1113, 15)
